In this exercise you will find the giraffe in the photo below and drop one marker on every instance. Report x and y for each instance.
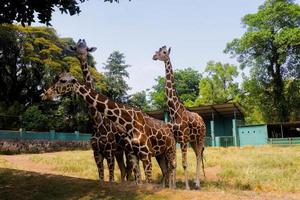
(82, 51)
(187, 126)
(149, 137)
(106, 137)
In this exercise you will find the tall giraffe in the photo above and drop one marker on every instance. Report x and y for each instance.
(148, 136)
(187, 126)
(106, 139)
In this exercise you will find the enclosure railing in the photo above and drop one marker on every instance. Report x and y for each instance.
(284, 141)
(51, 135)
(208, 141)
(224, 141)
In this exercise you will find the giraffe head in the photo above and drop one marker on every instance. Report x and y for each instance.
(64, 84)
(82, 50)
(162, 54)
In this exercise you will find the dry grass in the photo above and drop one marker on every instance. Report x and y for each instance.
(264, 168)
(248, 173)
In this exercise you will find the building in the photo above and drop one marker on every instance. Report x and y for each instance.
(225, 126)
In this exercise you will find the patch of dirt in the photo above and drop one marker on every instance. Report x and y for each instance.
(23, 162)
(211, 173)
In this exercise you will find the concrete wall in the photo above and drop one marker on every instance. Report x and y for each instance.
(40, 146)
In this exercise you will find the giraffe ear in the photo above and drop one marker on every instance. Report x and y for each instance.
(72, 48)
(92, 49)
(169, 50)
(73, 80)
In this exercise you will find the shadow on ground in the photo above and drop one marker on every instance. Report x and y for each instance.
(18, 184)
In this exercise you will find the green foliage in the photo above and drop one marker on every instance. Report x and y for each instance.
(30, 58)
(186, 83)
(271, 48)
(218, 85)
(34, 119)
(139, 100)
(115, 77)
(252, 100)
(25, 11)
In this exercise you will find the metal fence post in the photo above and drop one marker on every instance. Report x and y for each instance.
(212, 128)
(77, 135)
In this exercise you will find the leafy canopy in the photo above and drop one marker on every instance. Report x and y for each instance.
(271, 49)
(186, 83)
(115, 75)
(218, 85)
(24, 11)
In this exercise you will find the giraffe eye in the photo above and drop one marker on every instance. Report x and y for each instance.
(164, 52)
(63, 81)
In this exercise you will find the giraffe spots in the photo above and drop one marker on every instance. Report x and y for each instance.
(110, 136)
(128, 126)
(100, 107)
(89, 99)
(125, 115)
(109, 112)
(159, 135)
(82, 90)
(116, 112)
(139, 117)
(169, 84)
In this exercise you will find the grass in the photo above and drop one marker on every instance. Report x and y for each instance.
(264, 168)
(268, 172)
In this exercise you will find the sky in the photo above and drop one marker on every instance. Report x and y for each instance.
(196, 30)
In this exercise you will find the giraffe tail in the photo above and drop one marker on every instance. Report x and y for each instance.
(202, 160)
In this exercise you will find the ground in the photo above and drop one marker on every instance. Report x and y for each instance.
(266, 172)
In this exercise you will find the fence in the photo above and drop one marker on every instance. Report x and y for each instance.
(52, 135)
(284, 141)
(224, 141)
(208, 141)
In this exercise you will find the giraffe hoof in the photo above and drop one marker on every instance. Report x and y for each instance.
(197, 187)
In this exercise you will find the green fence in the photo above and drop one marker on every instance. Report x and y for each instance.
(52, 135)
(208, 141)
(284, 141)
(224, 141)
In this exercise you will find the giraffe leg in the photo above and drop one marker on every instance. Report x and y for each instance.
(183, 147)
(129, 167)
(99, 162)
(146, 159)
(198, 149)
(163, 166)
(135, 166)
(111, 167)
(120, 160)
(171, 169)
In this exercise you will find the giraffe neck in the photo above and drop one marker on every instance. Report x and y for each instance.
(173, 101)
(87, 74)
(114, 111)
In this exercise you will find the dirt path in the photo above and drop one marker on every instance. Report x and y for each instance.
(23, 162)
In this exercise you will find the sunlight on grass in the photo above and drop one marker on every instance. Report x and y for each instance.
(264, 168)
(4, 163)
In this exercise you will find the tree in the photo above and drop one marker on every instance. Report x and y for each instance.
(139, 100)
(116, 86)
(186, 82)
(218, 86)
(271, 47)
(30, 58)
(34, 119)
(24, 11)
